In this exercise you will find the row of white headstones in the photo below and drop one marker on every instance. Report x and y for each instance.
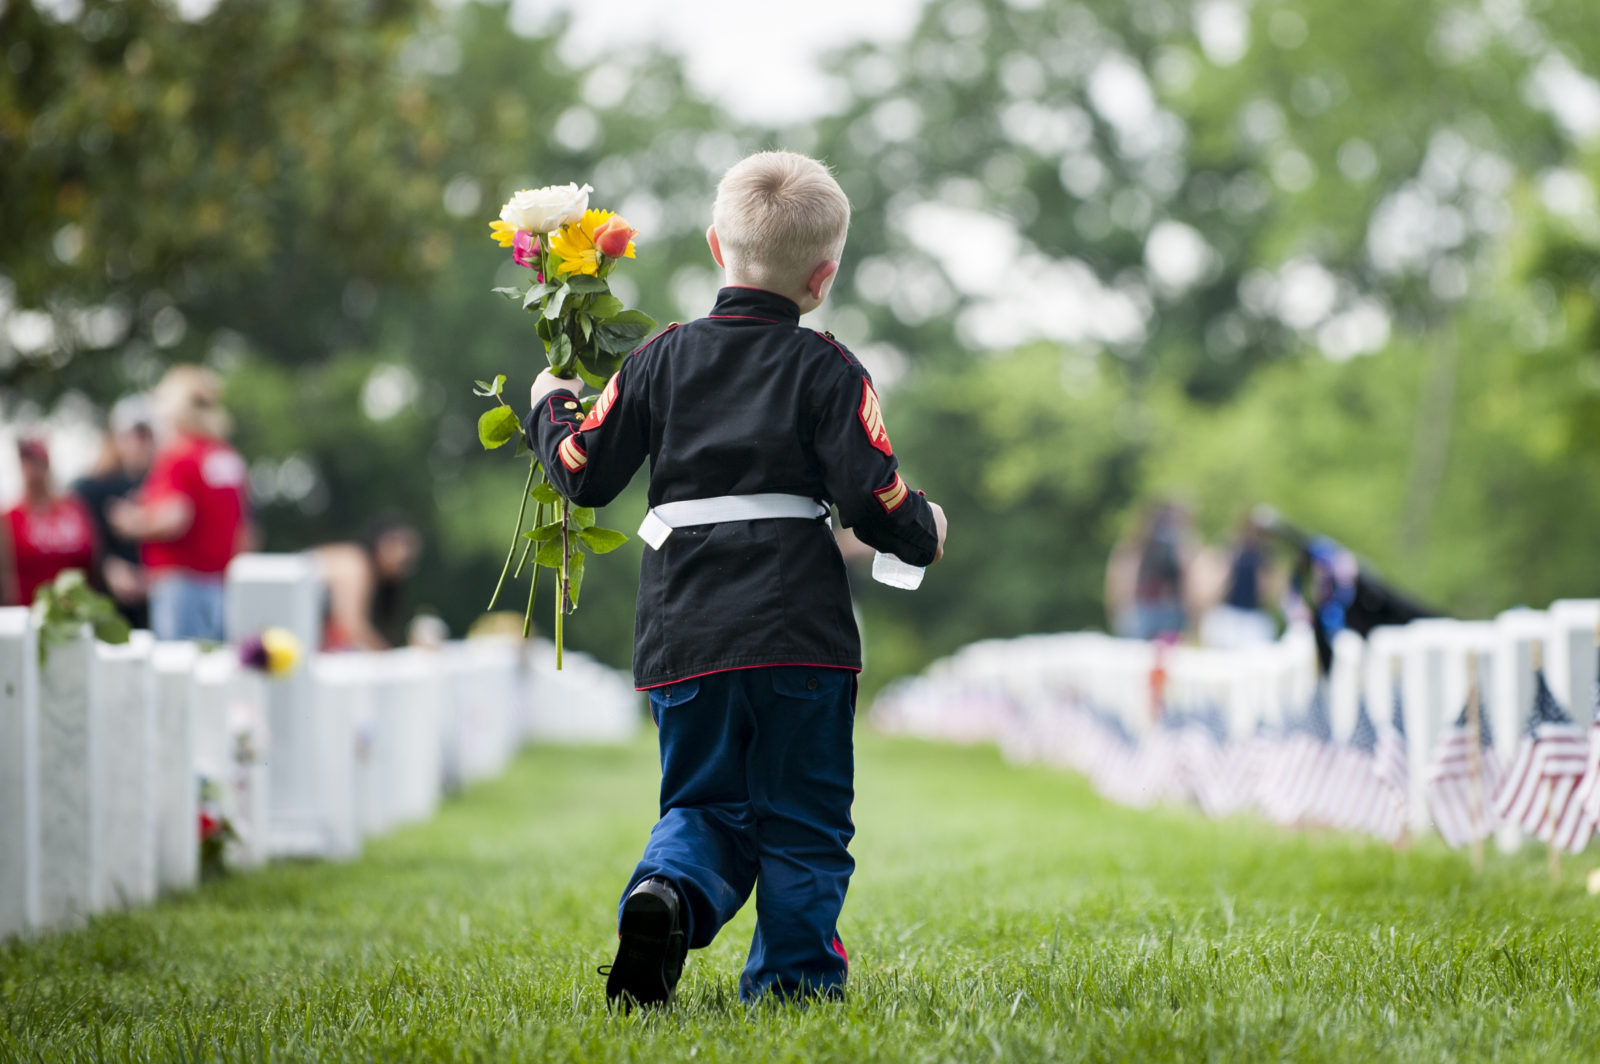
(102, 747)
(1432, 665)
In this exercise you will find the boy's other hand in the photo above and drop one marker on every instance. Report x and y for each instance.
(939, 525)
(547, 382)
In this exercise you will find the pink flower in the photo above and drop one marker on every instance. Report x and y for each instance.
(525, 250)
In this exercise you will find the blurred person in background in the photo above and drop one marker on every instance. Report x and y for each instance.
(1250, 583)
(119, 471)
(1147, 579)
(366, 586)
(192, 514)
(46, 533)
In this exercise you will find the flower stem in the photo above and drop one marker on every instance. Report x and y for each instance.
(562, 584)
(527, 549)
(516, 533)
(527, 612)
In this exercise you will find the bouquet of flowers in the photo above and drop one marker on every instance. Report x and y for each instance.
(585, 330)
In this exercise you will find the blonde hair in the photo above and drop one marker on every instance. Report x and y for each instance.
(778, 216)
(190, 400)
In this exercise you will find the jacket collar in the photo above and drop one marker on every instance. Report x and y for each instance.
(738, 302)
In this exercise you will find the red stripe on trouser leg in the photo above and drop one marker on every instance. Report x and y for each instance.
(838, 947)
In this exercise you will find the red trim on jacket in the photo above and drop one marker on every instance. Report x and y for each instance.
(741, 668)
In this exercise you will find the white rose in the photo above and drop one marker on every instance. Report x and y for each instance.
(544, 210)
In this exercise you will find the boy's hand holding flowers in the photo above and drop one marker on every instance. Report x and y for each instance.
(547, 382)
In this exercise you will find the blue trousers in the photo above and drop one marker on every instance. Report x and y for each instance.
(187, 607)
(757, 770)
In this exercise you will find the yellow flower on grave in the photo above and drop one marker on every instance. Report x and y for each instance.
(575, 244)
(282, 651)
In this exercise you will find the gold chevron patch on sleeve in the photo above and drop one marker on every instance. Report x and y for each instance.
(871, 414)
(602, 405)
(891, 497)
(571, 454)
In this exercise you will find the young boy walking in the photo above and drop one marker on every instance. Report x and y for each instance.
(744, 636)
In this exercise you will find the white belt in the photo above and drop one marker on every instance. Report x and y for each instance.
(661, 520)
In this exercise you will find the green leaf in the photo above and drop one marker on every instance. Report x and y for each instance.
(618, 337)
(538, 292)
(589, 376)
(602, 540)
(586, 324)
(487, 390)
(111, 628)
(575, 577)
(606, 307)
(585, 285)
(549, 555)
(583, 516)
(545, 493)
(560, 355)
(512, 294)
(552, 307)
(544, 533)
(634, 317)
(498, 427)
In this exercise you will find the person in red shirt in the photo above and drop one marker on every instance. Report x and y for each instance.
(192, 515)
(45, 534)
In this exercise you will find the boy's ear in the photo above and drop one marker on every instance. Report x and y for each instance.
(817, 283)
(716, 245)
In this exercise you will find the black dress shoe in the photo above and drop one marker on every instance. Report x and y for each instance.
(652, 948)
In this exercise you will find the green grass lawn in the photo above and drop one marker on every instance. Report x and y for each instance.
(996, 914)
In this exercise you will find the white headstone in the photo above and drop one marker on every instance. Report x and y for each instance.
(343, 683)
(485, 681)
(411, 697)
(19, 773)
(174, 780)
(352, 679)
(230, 742)
(124, 686)
(583, 702)
(1571, 660)
(1344, 683)
(69, 872)
(1422, 695)
(285, 591)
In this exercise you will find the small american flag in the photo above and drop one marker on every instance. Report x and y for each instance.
(1368, 803)
(1389, 756)
(1551, 759)
(1205, 764)
(1578, 826)
(1460, 806)
(1307, 758)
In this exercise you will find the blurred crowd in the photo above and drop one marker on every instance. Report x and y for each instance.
(1165, 583)
(165, 508)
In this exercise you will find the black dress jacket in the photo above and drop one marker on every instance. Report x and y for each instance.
(741, 402)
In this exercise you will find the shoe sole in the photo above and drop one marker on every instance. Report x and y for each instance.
(638, 976)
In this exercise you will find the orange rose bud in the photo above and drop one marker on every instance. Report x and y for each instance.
(611, 239)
